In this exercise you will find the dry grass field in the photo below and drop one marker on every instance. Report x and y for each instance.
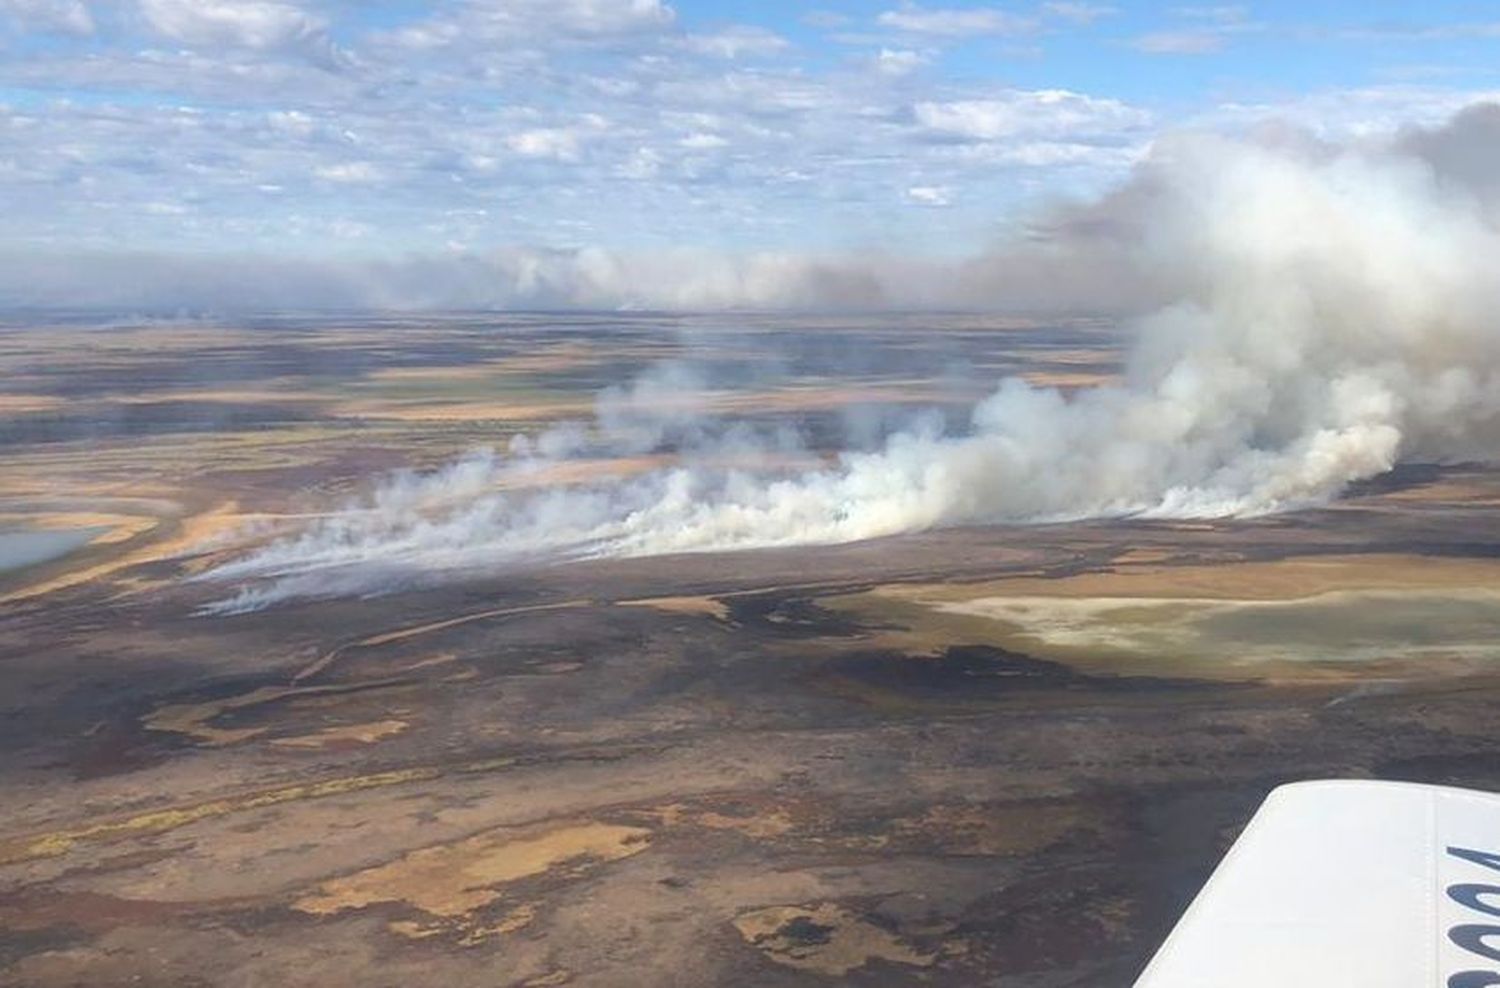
(1002, 755)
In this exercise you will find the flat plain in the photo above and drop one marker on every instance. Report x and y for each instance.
(985, 756)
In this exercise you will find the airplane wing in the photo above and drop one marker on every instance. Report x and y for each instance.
(1348, 884)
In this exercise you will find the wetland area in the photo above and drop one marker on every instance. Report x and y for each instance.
(1002, 755)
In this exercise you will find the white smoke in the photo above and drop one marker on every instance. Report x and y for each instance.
(1333, 313)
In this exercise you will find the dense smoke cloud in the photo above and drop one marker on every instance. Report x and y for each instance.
(1332, 312)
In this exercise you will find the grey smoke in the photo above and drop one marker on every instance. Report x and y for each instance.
(1331, 312)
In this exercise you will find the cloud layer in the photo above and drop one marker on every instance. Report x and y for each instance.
(249, 130)
(322, 130)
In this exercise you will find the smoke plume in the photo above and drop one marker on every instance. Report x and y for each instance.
(1325, 313)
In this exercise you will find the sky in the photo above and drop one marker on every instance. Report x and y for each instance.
(387, 128)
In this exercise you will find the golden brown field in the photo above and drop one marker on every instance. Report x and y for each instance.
(988, 755)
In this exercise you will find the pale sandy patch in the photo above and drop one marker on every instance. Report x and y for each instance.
(1076, 355)
(705, 606)
(1132, 557)
(453, 880)
(467, 411)
(367, 733)
(822, 397)
(435, 373)
(1269, 580)
(549, 361)
(792, 398)
(1460, 492)
(1303, 618)
(775, 822)
(1368, 625)
(60, 842)
(263, 396)
(1067, 379)
(194, 720)
(14, 404)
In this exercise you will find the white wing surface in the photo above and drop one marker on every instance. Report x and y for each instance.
(1348, 884)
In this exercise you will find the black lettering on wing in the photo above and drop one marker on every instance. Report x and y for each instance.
(1470, 896)
(1484, 859)
(1470, 936)
(1473, 979)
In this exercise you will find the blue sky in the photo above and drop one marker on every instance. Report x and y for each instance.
(369, 129)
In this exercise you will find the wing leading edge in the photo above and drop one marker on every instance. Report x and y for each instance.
(1348, 883)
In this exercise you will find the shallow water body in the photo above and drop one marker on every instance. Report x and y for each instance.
(20, 548)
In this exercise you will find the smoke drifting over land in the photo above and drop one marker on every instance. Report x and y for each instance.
(1324, 313)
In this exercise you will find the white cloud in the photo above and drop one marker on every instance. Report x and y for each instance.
(594, 16)
(703, 142)
(1189, 42)
(1079, 13)
(1210, 29)
(545, 142)
(929, 195)
(293, 122)
(1086, 260)
(899, 61)
(1021, 113)
(826, 19)
(346, 229)
(737, 41)
(63, 16)
(696, 135)
(255, 24)
(1413, 32)
(1055, 154)
(349, 172)
(954, 22)
(1222, 13)
(644, 163)
(557, 143)
(1349, 114)
(481, 22)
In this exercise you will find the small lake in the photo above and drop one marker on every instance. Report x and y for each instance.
(20, 548)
